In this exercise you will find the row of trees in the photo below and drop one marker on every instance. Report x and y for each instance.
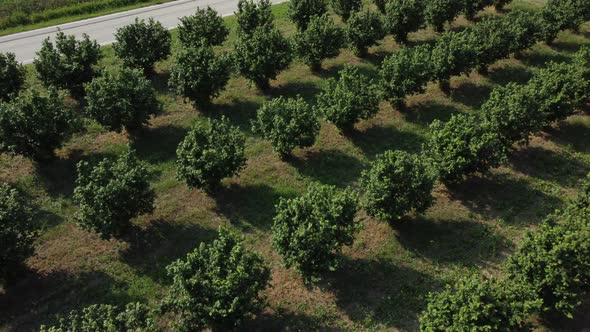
(548, 275)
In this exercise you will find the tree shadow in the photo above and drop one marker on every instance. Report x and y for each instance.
(378, 139)
(567, 46)
(158, 144)
(500, 196)
(307, 90)
(153, 248)
(470, 94)
(160, 81)
(507, 74)
(249, 205)
(540, 59)
(549, 165)
(330, 166)
(463, 242)
(575, 135)
(381, 292)
(426, 112)
(283, 320)
(579, 322)
(377, 57)
(239, 112)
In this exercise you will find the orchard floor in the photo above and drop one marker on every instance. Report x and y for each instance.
(389, 270)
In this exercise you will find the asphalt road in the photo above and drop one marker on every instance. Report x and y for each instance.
(103, 28)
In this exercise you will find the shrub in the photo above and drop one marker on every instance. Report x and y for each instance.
(397, 183)
(309, 231)
(122, 100)
(473, 304)
(461, 147)
(251, 16)
(12, 76)
(363, 30)
(345, 8)
(18, 231)
(106, 318)
(69, 63)
(205, 24)
(513, 112)
(262, 56)
(349, 99)
(403, 17)
(472, 7)
(523, 30)
(405, 72)
(217, 285)
(211, 151)
(302, 11)
(439, 12)
(380, 4)
(323, 39)
(34, 125)
(490, 41)
(451, 56)
(141, 44)
(112, 192)
(566, 14)
(287, 123)
(199, 74)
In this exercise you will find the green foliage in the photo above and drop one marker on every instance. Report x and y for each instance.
(363, 30)
(261, 56)
(199, 74)
(439, 12)
(141, 44)
(451, 56)
(301, 12)
(475, 304)
(122, 100)
(34, 125)
(323, 39)
(513, 112)
(287, 123)
(403, 17)
(135, 317)
(350, 98)
(254, 15)
(472, 7)
(405, 72)
(204, 24)
(380, 4)
(462, 146)
(12, 76)
(555, 259)
(69, 63)
(567, 14)
(490, 41)
(211, 151)
(309, 231)
(217, 285)
(112, 192)
(18, 230)
(397, 183)
(345, 8)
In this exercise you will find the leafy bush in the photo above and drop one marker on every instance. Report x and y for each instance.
(111, 193)
(18, 231)
(405, 72)
(12, 76)
(262, 56)
(122, 100)
(345, 8)
(69, 63)
(287, 123)
(490, 40)
(380, 4)
(323, 39)
(439, 12)
(106, 318)
(397, 183)
(211, 151)
(141, 44)
(34, 125)
(363, 30)
(217, 285)
(451, 56)
(251, 16)
(472, 7)
(566, 14)
(461, 147)
(523, 29)
(513, 112)
(302, 11)
(205, 24)
(349, 99)
(403, 17)
(199, 75)
(309, 231)
(473, 304)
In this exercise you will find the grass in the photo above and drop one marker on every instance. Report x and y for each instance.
(388, 271)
